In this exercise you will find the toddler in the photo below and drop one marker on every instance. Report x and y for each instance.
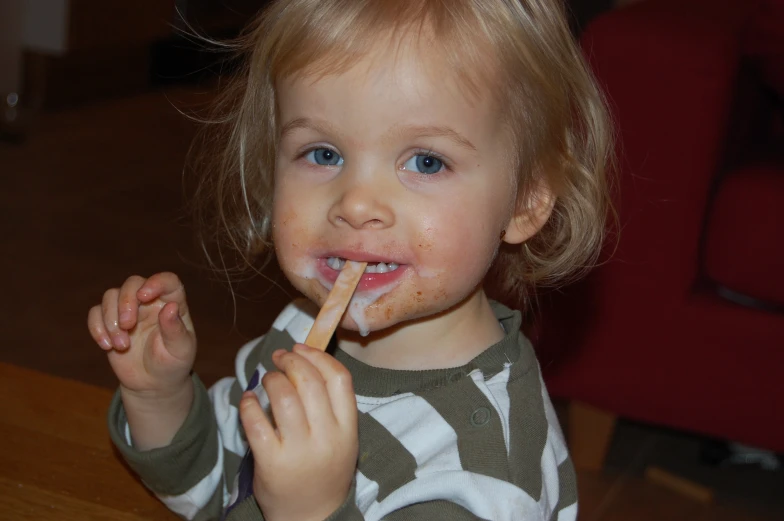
(455, 146)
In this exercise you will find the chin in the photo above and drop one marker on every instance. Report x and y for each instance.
(387, 315)
(369, 326)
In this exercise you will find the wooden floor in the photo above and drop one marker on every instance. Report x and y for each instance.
(94, 196)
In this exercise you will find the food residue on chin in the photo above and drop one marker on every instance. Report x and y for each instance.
(357, 308)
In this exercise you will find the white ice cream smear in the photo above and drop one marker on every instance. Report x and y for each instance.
(305, 269)
(359, 303)
(428, 273)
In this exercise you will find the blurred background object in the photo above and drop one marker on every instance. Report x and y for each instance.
(61, 53)
(37, 25)
(11, 13)
(104, 48)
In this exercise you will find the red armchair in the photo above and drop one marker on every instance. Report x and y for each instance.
(652, 334)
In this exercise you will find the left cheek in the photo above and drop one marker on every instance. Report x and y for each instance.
(461, 244)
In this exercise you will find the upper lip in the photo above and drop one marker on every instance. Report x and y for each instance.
(359, 256)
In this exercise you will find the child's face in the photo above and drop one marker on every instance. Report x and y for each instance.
(391, 161)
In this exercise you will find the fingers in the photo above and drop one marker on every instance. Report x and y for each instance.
(258, 429)
(165, 286)
(313, 394)
(108, 324)
(338, 382)
(119, 338)
(308, 384)
(120, 309)
(97, 329)
(286, 407)
(118, 313)
(175, 335)
(128, 304)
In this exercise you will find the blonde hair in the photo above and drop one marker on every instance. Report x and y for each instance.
(555, 112)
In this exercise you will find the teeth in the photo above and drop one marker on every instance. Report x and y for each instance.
(336, 263)
(381, 267)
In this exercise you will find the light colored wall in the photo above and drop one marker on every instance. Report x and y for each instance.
(46, 25)
(39, 25)
(10, 46)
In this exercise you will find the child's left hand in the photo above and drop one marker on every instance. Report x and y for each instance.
(305, 463)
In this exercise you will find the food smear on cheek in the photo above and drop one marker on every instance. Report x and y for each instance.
(425, 243)
(299, 262)
(428, 273)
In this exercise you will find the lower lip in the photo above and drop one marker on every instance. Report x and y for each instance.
(369, 281)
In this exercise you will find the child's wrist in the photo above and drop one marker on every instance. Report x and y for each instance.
(324, 510)
(168, 396)
(155, 418)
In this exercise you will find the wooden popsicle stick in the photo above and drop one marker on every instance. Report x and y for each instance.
(334, 307)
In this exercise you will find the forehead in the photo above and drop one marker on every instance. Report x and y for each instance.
(390, 93)
(464, 59)
(404, 66)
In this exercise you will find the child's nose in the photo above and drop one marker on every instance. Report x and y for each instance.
(362, 204)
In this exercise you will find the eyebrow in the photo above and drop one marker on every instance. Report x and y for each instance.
(437, 131)
(325, 127)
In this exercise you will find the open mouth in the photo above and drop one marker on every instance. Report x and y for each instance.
(337, 264)
(378, 275)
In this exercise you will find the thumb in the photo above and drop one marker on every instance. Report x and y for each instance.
(176, 337)
(258, 428)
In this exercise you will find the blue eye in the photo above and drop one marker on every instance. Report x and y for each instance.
(324, 157)
(424, 164)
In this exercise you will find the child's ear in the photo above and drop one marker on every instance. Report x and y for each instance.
(530, 218)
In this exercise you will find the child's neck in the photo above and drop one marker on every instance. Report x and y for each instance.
(449, 339)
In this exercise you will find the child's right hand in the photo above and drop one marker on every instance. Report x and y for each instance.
(305, 455)
(146, 330)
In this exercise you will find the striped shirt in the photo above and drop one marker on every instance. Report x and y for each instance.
(477, 442)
